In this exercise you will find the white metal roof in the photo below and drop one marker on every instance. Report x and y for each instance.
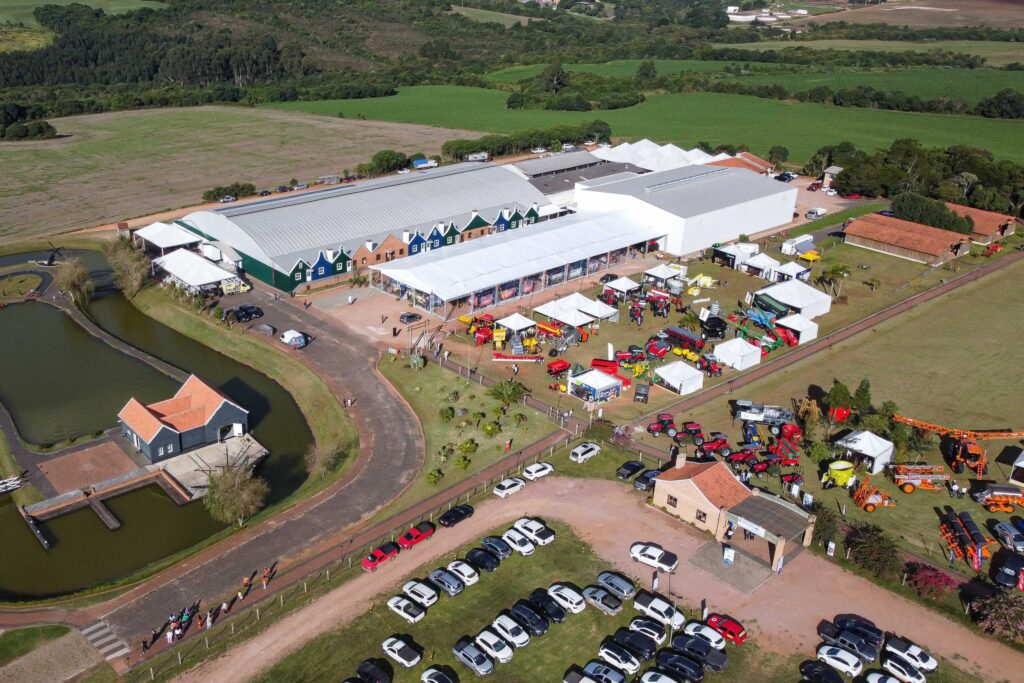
(762, 261)
(516, 322)
(623, 284)
(167, 236)
(553, 163)
(192, 269)
(467, 267)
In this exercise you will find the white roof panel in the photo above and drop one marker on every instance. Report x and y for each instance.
(192, 269)
(167, 236)
(516, 322)
(597, 379)
(623, 284)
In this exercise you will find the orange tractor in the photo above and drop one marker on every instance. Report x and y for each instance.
(965, 453)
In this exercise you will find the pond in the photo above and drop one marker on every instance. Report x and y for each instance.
(84, 552)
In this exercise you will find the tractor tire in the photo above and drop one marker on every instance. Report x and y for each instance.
(775, 429)
(869, 507)
(957, 467)
(672, 431)
(908, 488)
(698, 441)
(725, 451)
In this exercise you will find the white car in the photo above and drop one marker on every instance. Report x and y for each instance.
(466, 573)
(406, 608)
(602, 673)
(535, 530)
(402, 651)
(569, 599)
(902, 669)
(619, 657)
(911, 652)
(510, 630)
(650, 628)
(537, 470)
(843, 661)
(657, 677)
(507, 487)
(519, 542)
(494, 645)
(584, 452)
(658, 609)
(831, 192)
(654, 556)
(538, 150)
(878, 677)
(705, 633)
(420, 592)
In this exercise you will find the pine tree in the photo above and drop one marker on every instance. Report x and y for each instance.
(862, 397)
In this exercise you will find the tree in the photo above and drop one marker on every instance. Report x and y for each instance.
(872, 549)
(690, 320)
(491, 429)
(819, 452)
(73, 278)
(646, 73)
(1002, 615)
(478, 416)
(838, 396)
(778, 155)
(520, 421)
(417, 362)
(130, 266)
(435, 475)
(553, 78)
(321, 461)
(388, 160)
(826, 524)
(930, 582)
(833, 278)
(862, 397)
(233, 495)
(468, 447)
(916, 208)
(463, 462)
(508, 392)
(447, 414)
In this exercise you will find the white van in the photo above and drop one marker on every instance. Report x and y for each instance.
(294, 339)
(816, 213)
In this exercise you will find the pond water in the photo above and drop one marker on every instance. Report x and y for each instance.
(83, 551)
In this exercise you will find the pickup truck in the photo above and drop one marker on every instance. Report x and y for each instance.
(659, 609)
(848, 640)
(773, 416)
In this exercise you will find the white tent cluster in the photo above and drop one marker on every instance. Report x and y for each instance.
(654, 157)
(192, 271)
(802, 298)
(576, 309)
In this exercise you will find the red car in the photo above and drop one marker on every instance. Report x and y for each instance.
(416, 535)
(386, 552)
(730, 629)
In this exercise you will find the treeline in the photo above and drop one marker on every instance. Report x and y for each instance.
(911, 206)
(524, 140)
(843, 29)
(856, 58)
(18, 122)
(556, 88)
(236, 190)
(960, 174)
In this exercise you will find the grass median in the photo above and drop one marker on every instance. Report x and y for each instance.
(21, 641)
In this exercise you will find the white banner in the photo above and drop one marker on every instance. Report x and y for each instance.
(751, 527)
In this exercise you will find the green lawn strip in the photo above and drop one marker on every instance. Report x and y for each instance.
(484, 15)
(620, 68)
(837, 219)
(688, 118)
(27, 494)
(21, 641)
(996, 53)
(20, 11)
(101, 673)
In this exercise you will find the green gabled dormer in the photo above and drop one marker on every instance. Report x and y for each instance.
(531, 216)
(477, 221)
(451, 235)
(516, 220)
(299, 272)
(341, 262)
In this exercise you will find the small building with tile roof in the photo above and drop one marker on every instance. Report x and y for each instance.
(197, 415)
(905, 239)
(699, 492)
(989, 226)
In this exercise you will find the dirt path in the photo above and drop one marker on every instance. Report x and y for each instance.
(782, 615)
(57, 660)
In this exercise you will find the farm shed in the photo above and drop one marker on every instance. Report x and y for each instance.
(804, 329)
(989, 226)
(191, 271)
(799, 296)
(680, 377)
(595, 385)
(698, 492)
(793, 271)
(738, 354)
(874, 451)
(164, 236)
(907, 240)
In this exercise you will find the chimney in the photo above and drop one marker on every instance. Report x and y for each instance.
(370, 246)
(406, 236)
(680, 459)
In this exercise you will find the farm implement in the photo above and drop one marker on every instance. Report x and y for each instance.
(965, 452)
(869, 498)
(909, 478)
(1000, 497)
(964, 540)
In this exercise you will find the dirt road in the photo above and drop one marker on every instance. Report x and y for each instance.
(782, 615)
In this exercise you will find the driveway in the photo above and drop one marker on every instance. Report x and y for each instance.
(782, 615)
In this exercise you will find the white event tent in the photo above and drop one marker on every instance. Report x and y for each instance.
(738, 354)
(517, 322)
(799, 296)
(623, 285)
(681, 377)
(876, 451)
(191, 270)
(793, 271)
(805, 329)
(166, 236)
(764, 264)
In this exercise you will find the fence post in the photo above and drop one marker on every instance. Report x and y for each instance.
(257, 614)
(207, 639)
(152, 676)
(282, 599)
(304, 589)
(232, 628)
(329, 569)
(179, 657)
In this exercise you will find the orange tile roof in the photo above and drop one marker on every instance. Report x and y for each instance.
(713, 479)
(986, 223)
(191, 407)
(904, 234)
(765, 165)
(734, 162)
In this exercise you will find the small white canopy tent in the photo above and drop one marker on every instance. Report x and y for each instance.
(801, 297)
(191, 270)
(623, 285)
(804, 329)
(598, 385)
(764, 264)
(876, 451)
(681, 377)
(572, 317)
(792, 271)
(738, 354)
(600, 310)
(166, 236)
(550, 309)
(516, 322)
(574, 300)
(663, 271)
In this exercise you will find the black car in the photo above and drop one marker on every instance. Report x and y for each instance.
(550, 609)
(457, 514)
(283, 188)
(678, 663)
(483, 560)
(264, 193)
(497, 546)
(373, 671)
(407, 318)
(629, 469)
(608, 277)
(863, 628)
(645, 482)
(700, 650)
(887, 213)
(529, 618)
(252, 311)
(641, 392)
(642, 647)
(1006, 573)
(819, 672)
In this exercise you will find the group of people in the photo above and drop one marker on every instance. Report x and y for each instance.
(956, 490)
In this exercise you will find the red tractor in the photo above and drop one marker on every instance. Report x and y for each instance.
(608, 297)
(657, 348)
(630, 357)
(758, 466)
(792, 478)
(694, 431)
(716, 443)
(666, 424)
(710, 365)
(784, 460)
(741, 457)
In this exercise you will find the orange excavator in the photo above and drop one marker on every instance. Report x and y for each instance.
(966, 453)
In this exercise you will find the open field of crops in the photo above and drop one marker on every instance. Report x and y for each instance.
(622, 68)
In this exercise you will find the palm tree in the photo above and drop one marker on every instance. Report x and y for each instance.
(520, 420)
(690, 320)
(508, 392)
(416, 361)
(836, 275)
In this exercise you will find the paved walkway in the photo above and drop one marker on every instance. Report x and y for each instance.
(810, 588)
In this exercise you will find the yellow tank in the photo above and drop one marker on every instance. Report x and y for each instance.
(840, 472)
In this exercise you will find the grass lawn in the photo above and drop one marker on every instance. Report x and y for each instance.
(20, 11)
(686, 119)
(622, 68)
(15, 287)
(486, 15)
(995, 53)
(23, 38)
(14, 644)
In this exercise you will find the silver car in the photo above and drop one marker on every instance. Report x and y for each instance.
(617, 584)
(1011, 539)
(446, 581)
(468, 653)
(602, 600)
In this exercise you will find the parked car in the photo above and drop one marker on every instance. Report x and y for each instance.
(911, 652)
(879, 677)
(547, 606)
(436, 675)
(629, 469)
(902, 669)
(416, 535)
(602, 673)
(645, 482)
(681, 665)
(407, 318)
(253, 312)
(228, 198)
(446, 581)
(469, 654)
(283, 188)
(420, 592)
(371, 671)
(483, 560)
(379, 556)
(819, 672)
(264, 193)
(457, 514)
(497, 547)
(406, 608)
(641, 392)
(537, 470)
(705, 632)
(1011, 539)
(608, 277)
(529, 618)
(641, 646)
(649, 627)
(654, 556)
(300, 186)
(464, 572)
(567, 597)
(294, 339)
(403, 650)
(519, 542)
(843, 661)
(494, 646)
(619, 657)
(1007, 574)
(655, 676)
(730, 629)
(602, 600)
(831, 192)
(538, 150)
(535, 530)
(813, 214)
(617, 584)
(584, 452)
(700, 650)
(862, 627)
(659, 609)
(848, 640)
(507, 487)
(509, 629)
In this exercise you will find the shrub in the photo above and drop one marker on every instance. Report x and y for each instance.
(600, 430)
(930, 582)
(826, 525)
(873, 549)
(447, 414)
(491, 429)
(463, 462)
(435, 475)
(1001, 615)
(468, 447)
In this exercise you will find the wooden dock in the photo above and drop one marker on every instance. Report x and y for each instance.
(104, 513)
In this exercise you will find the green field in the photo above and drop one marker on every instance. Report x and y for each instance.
(996, 53)
(686, 119)
(486, 15)
(20, 11)
(621, 68)
(23, 37)
(18, 642)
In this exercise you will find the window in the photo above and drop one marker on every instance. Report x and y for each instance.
(320, 270)
(401, 252)
(364, 260)
(170, 448)
(160, 451)
(378, 257)
(340, 267)
(702, 516)
(298, 277)
(672, 502)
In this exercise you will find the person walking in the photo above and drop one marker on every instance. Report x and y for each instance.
(954, 489)
(145, 645)
(209, 620)
(240, 596)
(201, 622)
(170, 635)
(224, 607)
(153, 635)
(179, 633)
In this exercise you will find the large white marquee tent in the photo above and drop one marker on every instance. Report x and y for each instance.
(681, 377)
(738, 354)
(191, 270)
(799, 296)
